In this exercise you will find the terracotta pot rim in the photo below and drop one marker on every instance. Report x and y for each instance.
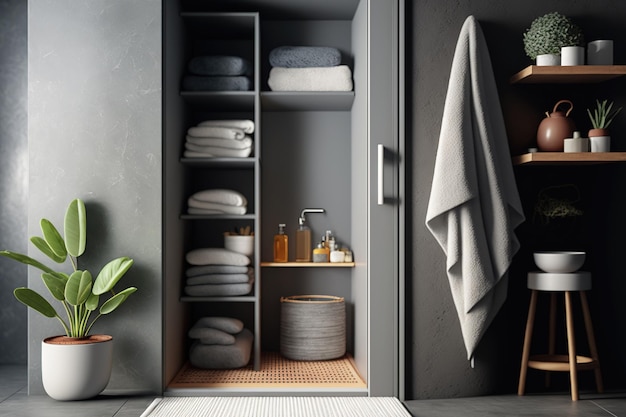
(598, 132)
(65, 340)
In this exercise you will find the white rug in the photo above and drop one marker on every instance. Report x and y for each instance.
(276, 407)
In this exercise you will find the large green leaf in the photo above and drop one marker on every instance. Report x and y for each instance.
(44, 248)
(92, 302)
(55, 284)
(26, 260)
(75, 227)
(110, 274)
(78, 287)
(34, 301)
(114, 302)
(53, 238)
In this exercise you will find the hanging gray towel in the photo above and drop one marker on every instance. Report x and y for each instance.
(474, 205)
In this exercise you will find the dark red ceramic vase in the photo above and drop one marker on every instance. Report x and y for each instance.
(555, 128)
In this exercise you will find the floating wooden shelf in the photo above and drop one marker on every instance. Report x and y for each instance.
(568, 158)
(308, 264)
(579, 74)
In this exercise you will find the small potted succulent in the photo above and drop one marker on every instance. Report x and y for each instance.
(76, 365)
(601, 117)
(548, 34)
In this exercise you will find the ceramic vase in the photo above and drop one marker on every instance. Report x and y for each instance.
(76, 369)
(548, 59)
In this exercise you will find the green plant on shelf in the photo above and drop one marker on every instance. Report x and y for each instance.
(549, 33)
(603, 114)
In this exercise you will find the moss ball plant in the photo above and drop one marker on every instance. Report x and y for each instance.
(548, 33)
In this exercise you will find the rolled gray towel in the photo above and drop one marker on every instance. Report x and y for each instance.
(216, 269)
(217, 83)
(226, 324)
(208, 336)
(232, 356)
(219, 65)
(305, 56)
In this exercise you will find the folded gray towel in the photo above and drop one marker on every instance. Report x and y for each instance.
(236, 355)
(305, 56)
(219, 65)
(226, 324)
(217, 83)
(218, 279)
(216, 256)
(209, 336)
(216, 269)
(219, 290)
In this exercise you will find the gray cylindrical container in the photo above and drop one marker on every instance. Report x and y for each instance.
(312, 327)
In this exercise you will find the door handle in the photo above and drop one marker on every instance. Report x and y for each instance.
(381, 170)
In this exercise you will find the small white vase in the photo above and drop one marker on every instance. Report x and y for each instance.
(548, 59)
(572, 55)
(76, 371)
(600, 52)
(600, 143)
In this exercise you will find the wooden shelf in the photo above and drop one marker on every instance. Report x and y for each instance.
(579, 74)
(308, 264)
(569, 158)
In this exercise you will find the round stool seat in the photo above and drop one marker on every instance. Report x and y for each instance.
(549, 281)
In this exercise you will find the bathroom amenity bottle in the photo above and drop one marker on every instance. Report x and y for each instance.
(281, 247)
(303, 236)
(321, 253)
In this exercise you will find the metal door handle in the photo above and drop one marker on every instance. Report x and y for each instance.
(381, 163)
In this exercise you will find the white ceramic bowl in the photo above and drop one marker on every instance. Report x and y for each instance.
(559, 261)
(240, 243)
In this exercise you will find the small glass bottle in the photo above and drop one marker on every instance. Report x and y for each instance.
(320, 254)
(281, 247)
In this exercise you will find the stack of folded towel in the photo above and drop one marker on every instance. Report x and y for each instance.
(220, 138)
(218, 73)
(217, 201)
(218, 272)
(308, 68)
(220, 343)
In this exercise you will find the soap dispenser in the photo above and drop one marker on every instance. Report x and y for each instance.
(303, 236)
(281, 245)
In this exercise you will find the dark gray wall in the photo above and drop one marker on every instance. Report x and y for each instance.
(437, 358)
(13, 176)
(95, 129)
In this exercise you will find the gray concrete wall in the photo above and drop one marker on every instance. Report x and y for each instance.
(94, 119)
(13, 176)
(437, 357)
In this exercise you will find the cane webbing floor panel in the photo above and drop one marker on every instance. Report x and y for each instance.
(276, 372)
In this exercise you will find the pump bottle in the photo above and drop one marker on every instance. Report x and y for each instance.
(303, 236)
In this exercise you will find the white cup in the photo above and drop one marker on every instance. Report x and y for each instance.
(572, 55)
(600, 52)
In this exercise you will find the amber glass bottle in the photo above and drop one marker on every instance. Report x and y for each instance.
(281, 247)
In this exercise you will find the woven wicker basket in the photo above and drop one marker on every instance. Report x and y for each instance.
(312, 327)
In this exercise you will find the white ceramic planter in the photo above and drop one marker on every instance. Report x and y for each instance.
(548, 60)
(76, 371)
(600, 143)
(572, 55)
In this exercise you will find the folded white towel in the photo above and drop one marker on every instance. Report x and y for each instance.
(202, 207)
(216, 256)
(215, 151)
(221, 142)
(221, 196)
(244, 124)
(216, 132)
(337, 78)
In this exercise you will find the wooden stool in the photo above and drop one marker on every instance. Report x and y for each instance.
(567, 283)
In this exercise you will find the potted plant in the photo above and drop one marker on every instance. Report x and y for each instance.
(548, 34)
(601, 118)
(76, 365)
